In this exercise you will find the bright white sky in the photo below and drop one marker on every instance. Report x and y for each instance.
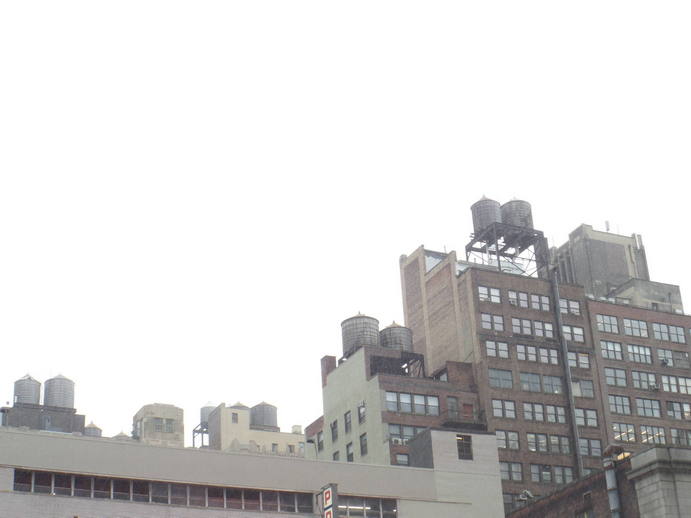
(193, 195)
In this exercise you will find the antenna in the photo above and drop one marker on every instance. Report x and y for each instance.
(607, 226)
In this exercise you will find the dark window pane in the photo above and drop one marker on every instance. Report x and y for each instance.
(251, 500)
(82, 486)
(22, 480)
(215, 496)
(234, 498)
(372, 507)
(140, 491)
(198, 496)
(269, 501)
(388, 508)
(178, 494)
(42, 482)
(159, 492)
(121, 489)
(305, 503)
(287, 502)
(62, 484)
(102, 488)
(356, 506)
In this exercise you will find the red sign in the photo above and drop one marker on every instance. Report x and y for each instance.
(328, 499)
(329, 513)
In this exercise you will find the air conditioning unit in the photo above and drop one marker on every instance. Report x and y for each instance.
(654, 386)
(396, 440)
(513, 302)
(664, 362)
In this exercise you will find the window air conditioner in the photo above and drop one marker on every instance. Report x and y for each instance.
(396, 440)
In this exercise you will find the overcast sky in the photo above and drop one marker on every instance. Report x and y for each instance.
(194, 195)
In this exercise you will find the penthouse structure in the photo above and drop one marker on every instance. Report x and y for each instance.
(568, 355)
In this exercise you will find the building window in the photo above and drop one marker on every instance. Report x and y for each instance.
(623, 432)
(537, 442)
(168, 425)
(661, 332)
(464, 444)
(489, 294)
(274, 447)
(635, 328)
(526, 353)
(452, 407)
(347, 422)
(552, 384)
(503, 408)
(652, 434)
(640, 353)
(363, 445)
(511, 471)
(563, 474)
(334, 431)
(549, 356)
(607, 324)
(586, 417)
(611, 350)
(559, 444)
(643, 380)
(412, 403)
(619, 405)
(530, 382)
(349, 452)
(676, 334)
(533, 412)
(336, 456)
(543, 329)
(569, 306)
(673, 358)
(615, 377)
(678, 384)
(320, 441)
(680, 437)
(579, 360)
(677, 410)
(361, 413)
(497, 349)
(539, 302)
(521, 326)
(402, 459)
(669, 333)
(518, 298)
(291, 449)
(573, 333)
(583, 388)
(541, 473)
(590, 447)
(492, 322)
(555, 414)
(158, 424)
(500, 378)
(234, 417)
(507, 440)
(647, 407)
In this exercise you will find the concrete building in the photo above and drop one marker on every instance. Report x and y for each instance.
(560, 373)
(44, 475)
(238, 428)
(159, 424)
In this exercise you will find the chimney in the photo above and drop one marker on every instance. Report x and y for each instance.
(328, 365)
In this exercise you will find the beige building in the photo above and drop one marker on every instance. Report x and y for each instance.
(48, 475)
(159, 424)
(239, 428)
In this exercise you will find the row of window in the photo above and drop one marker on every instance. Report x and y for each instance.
(530, 382)
(648, 381)
(404, 403)
(522, 299)
(347, 425)
(626, 432)
(531, 411)
(648, 407)
(664, 332)
(533, 353)
(401, 433)
(643, 354)
(526, 327)
(350, 452)
(161, 492)
(540, 473)
(544, 443)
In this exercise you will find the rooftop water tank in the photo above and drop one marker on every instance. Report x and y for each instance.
(59, 391)
(396, 337)
(27, 390)
(517, 213)
(204, 413)
(485, 212)
(264, 417)
(358, 331)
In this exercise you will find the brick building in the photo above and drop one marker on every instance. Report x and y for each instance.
(560, 373)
